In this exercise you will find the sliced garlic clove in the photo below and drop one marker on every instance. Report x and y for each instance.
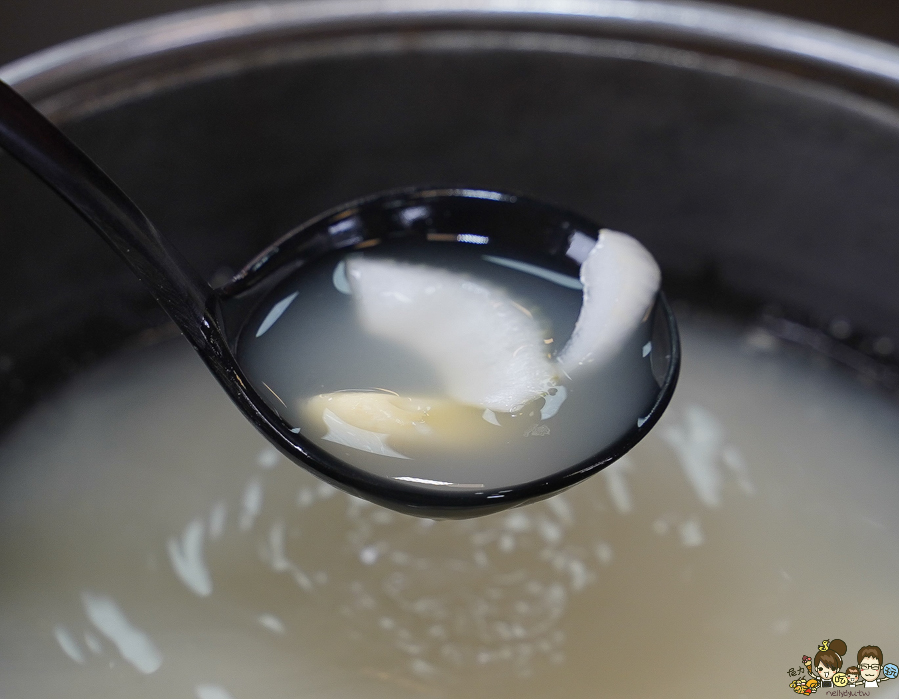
(389, 424)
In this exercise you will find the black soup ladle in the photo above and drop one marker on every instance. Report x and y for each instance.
(216, 320)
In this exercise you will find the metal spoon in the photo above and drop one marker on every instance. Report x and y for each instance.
(215, 320)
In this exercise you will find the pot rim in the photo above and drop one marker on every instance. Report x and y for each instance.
(704, 23)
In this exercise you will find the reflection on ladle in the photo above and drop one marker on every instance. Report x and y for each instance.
(474, 286)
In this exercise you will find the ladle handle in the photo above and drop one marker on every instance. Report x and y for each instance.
(41, 147)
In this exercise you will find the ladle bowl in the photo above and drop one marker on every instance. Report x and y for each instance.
(498, 221)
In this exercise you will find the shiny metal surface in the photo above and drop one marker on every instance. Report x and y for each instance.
(674, 20)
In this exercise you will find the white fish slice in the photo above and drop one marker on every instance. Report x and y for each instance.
(621, 279)
(487, 349)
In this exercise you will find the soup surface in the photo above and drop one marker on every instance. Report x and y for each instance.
(153, 545)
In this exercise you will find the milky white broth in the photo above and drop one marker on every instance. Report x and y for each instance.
(153, 545)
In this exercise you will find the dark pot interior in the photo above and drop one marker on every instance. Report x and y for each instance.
(762, 181)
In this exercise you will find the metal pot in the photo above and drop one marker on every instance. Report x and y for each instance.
(756, 157)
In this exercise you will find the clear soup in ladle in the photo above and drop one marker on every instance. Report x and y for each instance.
(459, 341)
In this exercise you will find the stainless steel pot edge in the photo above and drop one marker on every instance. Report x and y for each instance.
(685, 21)
(61, 104)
